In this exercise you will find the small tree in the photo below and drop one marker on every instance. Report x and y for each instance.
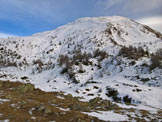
(101, 54)
(156, 60)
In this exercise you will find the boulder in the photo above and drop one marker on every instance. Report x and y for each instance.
(77, 107)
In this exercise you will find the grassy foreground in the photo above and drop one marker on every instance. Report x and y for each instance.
(23, 103)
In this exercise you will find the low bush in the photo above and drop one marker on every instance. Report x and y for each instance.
(42, 66)
(78, 58)
(156, 60)
(133, 52)
(113, 93)
(127, 99)
(100, 54)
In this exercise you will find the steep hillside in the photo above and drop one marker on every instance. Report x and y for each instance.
(113, 58)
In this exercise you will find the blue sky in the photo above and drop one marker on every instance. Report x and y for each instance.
(25, 17)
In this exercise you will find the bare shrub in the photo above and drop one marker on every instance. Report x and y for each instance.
(156, 60)
(133, 52)
(41, 66)
(8, 57)
(81, 58)
(100, 54)
(113, 93)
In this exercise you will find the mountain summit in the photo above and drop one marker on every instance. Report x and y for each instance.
(114, 58)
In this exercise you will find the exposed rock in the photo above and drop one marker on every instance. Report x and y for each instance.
(100, 103)
(48, 111)
(77, 107)
(40, 108)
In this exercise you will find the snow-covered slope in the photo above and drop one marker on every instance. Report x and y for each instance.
(110, 57)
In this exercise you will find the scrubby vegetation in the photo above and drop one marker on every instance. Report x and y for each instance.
(136, 53)
(100, 55)
(78, 59)
(113, 93)
(67, 63)
(156, 60)
(133, 52)
(42, 66)
(10, 58)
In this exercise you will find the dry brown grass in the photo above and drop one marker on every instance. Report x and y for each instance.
(24, 102)
(45, 106)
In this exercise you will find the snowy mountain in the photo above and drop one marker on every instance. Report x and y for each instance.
(114, 58)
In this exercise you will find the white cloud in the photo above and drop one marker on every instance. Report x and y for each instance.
(142, 5)
(153, 22)
(132, 6)
(4, 35)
